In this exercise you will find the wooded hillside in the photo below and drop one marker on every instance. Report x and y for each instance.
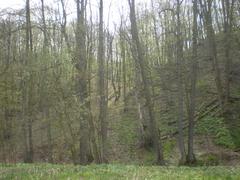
(162, 86)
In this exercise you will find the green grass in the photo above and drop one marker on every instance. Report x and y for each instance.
(105, 172)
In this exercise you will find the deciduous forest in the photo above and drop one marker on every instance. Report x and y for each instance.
(159, 87)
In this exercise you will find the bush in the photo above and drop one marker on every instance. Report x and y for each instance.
(209, 159)
(216, 127)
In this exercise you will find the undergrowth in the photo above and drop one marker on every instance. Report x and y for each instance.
(216, 128)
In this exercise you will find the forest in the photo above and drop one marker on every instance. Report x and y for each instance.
(158, 87)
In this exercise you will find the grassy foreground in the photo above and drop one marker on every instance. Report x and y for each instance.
(105, 172)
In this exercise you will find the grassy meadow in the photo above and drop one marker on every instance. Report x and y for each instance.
(111, 172)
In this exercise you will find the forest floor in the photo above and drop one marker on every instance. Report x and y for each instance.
(105, 172)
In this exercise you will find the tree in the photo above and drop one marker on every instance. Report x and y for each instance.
(228, 9)
(27, 91)
(138, 51)
(206, 8)
(81, 83)
(124, 68)
(44, 87)
(194, 64)
(180, 97)
(101, 81)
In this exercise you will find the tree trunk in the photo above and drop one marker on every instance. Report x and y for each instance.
(194, 63)
(146, 85)
(93, 133)
(206, 8)
(81, 84)
(101, 73)
(28, 88)
(180, 87)
(228, 7)
(44, 89)
(124, 73)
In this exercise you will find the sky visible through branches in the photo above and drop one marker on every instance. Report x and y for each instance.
(113, 9)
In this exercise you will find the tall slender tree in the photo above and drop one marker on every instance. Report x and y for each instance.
(206, 8)
(81, 83)
(228, 9)
(194, 64)
(180, 95)
(101, 74)
(138, 54)
(28, 90)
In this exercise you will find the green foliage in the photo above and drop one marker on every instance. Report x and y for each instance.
(97, 172)
(216, 127)
(126, 130)
(147, 156)
(208, 159)
(235, 133)
(168, 147)
(223, 137)
(233, 122)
